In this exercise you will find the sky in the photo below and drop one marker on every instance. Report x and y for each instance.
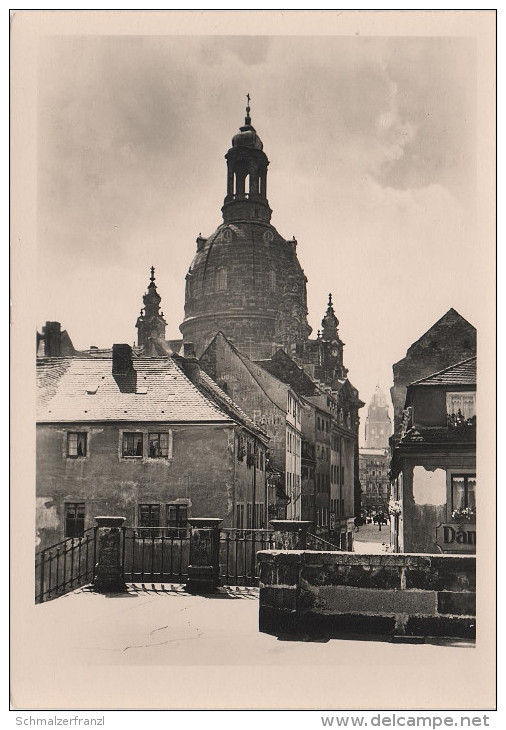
(372, 149)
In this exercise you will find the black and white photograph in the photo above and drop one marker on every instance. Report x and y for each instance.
(253, 355)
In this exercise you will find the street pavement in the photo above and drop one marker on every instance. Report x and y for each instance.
(158, 646)
(370, 539)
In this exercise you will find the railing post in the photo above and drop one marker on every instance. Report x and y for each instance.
(291, 534)
(204, 567)
(108, 575)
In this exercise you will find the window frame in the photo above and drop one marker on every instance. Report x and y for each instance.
(77, 519)
(150, 505)
(123, 434)
(86, 440)
(464, 474)
(167, 433)
(180, 528)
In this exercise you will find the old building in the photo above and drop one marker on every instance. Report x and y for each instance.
(152, 439)
(329, 434)
(434, 464)
(451, 339)
(245, 279)
(274, 406)
(374, 469)
(374, 457)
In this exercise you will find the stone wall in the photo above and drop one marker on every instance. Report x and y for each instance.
(385, 595)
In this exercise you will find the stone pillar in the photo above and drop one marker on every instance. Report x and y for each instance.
(291, 534)
(108, 573)
(204, 567)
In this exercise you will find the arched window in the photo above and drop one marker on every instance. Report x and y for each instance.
(227, 234)
(222, 279)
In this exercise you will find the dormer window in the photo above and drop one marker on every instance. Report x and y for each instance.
(227, 234)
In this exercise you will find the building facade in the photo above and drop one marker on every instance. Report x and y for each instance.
(451, 339)
(275, 407)
(433, 503)
(374, 471)
(374, 457)
(150, 439)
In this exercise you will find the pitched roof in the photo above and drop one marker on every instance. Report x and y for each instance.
(85, 389)
(461, 373)
(284, 368)
(273, 388)
(212, 391)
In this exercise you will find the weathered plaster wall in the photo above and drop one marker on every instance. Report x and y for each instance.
(425, 495)
(202, 474)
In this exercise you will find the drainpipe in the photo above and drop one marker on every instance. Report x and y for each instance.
(340, 484)
(253, 520)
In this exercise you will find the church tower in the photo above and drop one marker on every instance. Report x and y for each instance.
(378, 425)
(245, 279)
(150, 323)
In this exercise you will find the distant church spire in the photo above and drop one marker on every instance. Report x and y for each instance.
(330, 323)
(151, 324)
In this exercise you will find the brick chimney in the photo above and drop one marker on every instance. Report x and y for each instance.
(122, 359)
(52, 339)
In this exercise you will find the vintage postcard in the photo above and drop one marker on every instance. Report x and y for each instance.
(253, 360)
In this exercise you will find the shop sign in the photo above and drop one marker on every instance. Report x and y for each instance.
(456, 537)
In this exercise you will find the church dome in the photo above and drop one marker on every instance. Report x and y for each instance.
(245, 279)
(247, 137)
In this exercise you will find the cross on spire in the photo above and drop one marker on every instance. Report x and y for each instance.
(152, 274)
(247, 119)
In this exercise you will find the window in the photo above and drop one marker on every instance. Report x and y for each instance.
(132, 444)
(77, 445)
(221, 279)
(463, 494)
(74, 519)
(227, 234)
(463, 402)
(239, 520)
(149, 515)
(177, 518)
(159, 445)
(248, 515)
(259, 516)
(272, 280)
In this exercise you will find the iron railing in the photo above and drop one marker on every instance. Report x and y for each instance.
(313, 542)
(154, 554)
(238, 550)
(65, 566)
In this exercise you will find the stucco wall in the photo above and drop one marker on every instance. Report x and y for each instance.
(426, 497)
(202, 473)
(401, 595)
